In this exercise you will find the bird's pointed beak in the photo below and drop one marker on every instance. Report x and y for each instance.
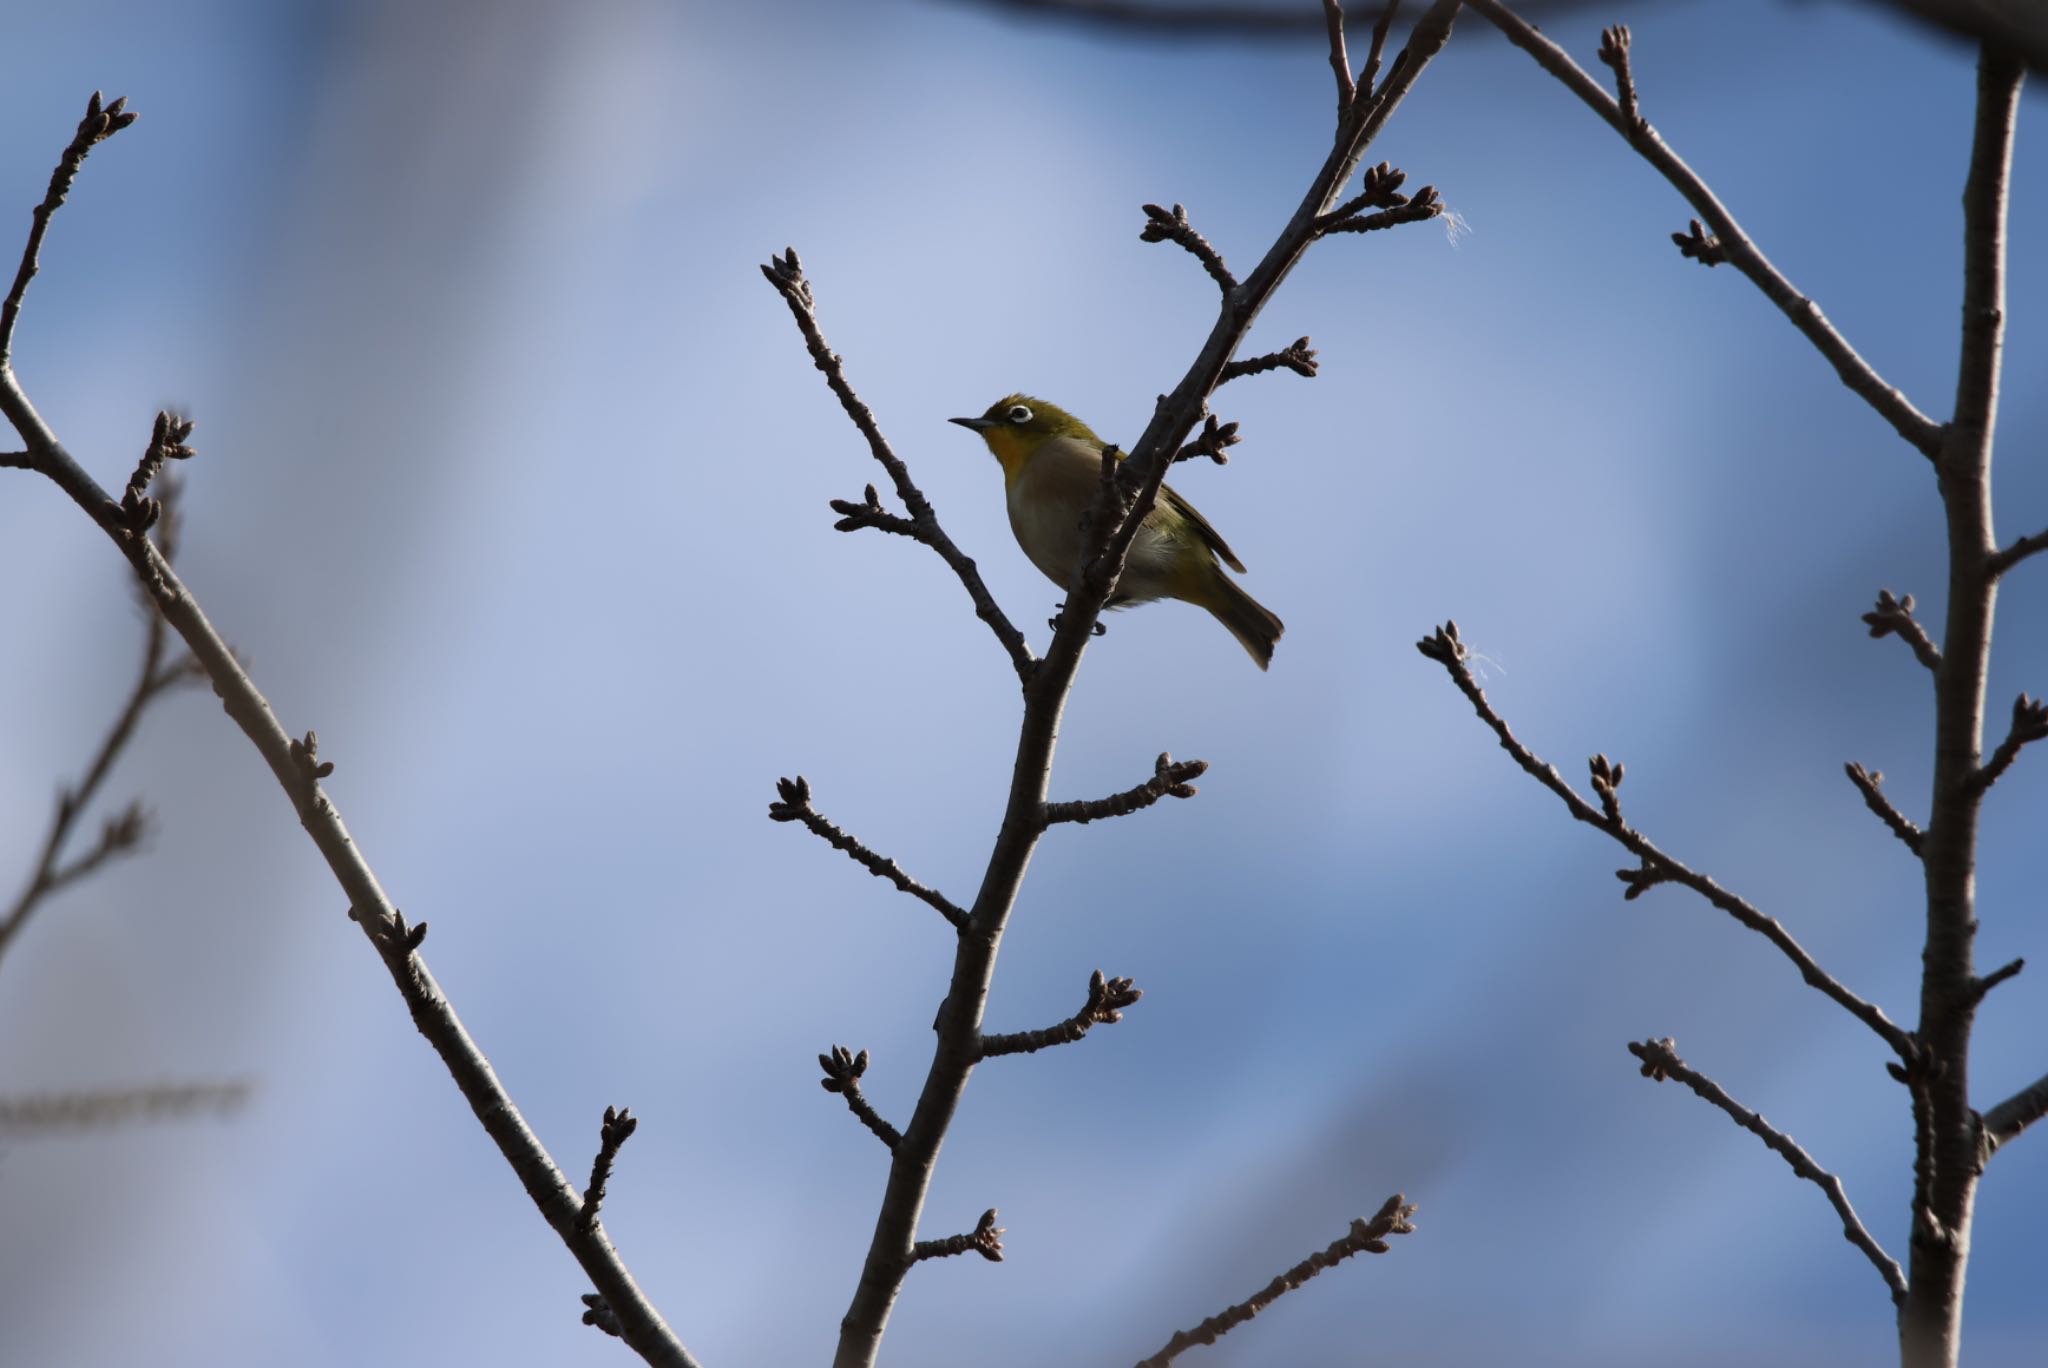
(974, 424)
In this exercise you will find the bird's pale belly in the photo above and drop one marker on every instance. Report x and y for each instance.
(1051, 537)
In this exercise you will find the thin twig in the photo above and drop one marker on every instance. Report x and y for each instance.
(123, 833)
(1660, 1061)
(795, 806)
(2004, 1122)
(1984, 984)
(557, 1199)
(1164, 226)
(1298, 357)
(1446, 649)
(1858, 374)
(97, 126)
(786, 274)
(1379, 46)
(843, 1070)
(986, 1239)
(1169, 780)
(1614, 52)
(2000, 563)
(1870, 784)
(1895, 616)
(1214, 440)
(618, 1127)
(1347, 88)
(870, 513)
(1365, 1237)
(2029, 724)
(1107, 997)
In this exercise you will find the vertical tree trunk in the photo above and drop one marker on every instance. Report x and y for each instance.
(1951, 1144)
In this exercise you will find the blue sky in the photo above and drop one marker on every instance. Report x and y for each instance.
(513, 484)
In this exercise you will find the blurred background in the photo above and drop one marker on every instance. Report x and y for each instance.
(512, 483)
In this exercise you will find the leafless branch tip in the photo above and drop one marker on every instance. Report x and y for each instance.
(1107, 997)
(100, 123)
(795, 806)
(1446, 648)
(619, 1125)
(1162, 225)
(786, 274)
(986, 1239)
(1213, 442)
(1169, 780)
(1894, 616)
(2029, 724)
(1660, 1061)
(1870, 783)
(1298, 357)
(843, 1070)
(1365, 1237)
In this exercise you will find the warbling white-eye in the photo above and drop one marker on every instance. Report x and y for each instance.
(1052, 465)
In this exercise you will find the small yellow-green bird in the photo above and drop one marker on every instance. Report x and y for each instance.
(1052, 465)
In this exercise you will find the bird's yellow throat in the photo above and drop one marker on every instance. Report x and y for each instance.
(1013, 449)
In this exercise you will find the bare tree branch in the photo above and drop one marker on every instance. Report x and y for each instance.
(2010, 969)
(545, 1183)
(1347, 88)
(2004, 1122)
(1106, 1000)
(1214, 440)
(99, 124)
(1169, 780)
(1126, 495)
(1164, 226)
(41, 1114)
(1366, 1237)
(618, 1127)
(1895, 615)
(1734, 245)
(1380, 29)
(2029, 724)
(1870, 783)
(1447, 650)
(986, 1239)
(1661, 1061)
(796, 807)
(1952, 1141)
(2019, 551)
(1298, 357)
(123, 833)
(785, 273)
(843, 1070)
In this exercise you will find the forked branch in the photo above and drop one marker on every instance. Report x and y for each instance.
(1729, 240)
(1445, 647)
(786, 274)
(124, 832)
(298, 772)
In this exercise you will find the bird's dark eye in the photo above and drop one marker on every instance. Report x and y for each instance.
(1019, 414)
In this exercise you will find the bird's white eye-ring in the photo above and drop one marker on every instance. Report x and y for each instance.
(1019, 414)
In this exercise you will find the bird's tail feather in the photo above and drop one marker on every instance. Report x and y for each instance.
(1254, 626)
